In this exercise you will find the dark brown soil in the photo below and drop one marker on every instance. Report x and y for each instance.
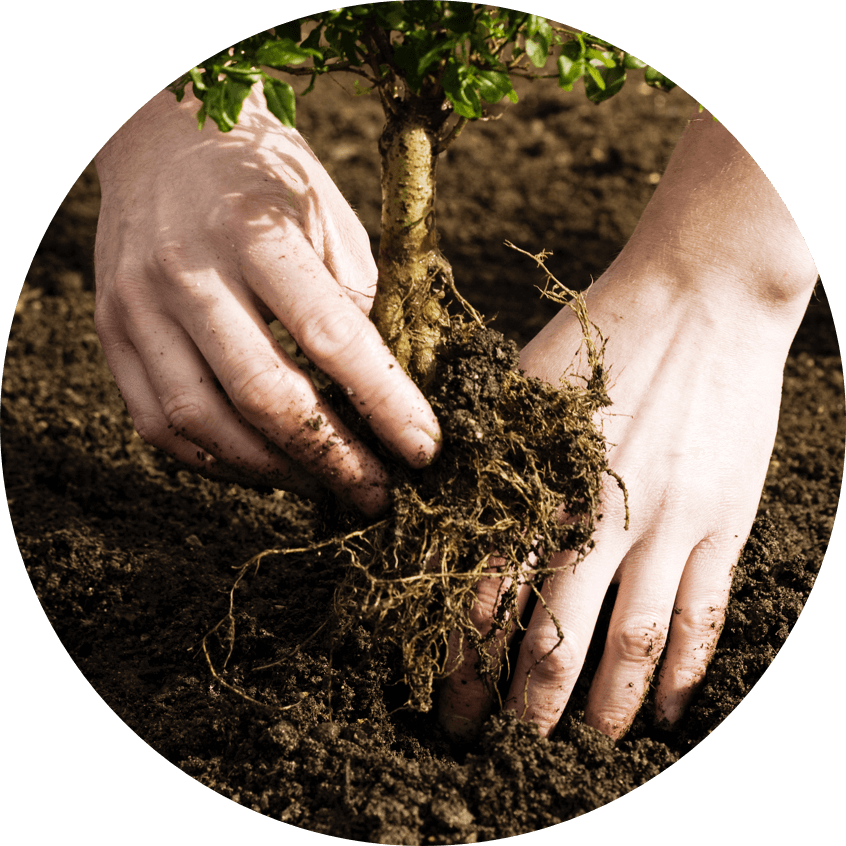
(132, 557)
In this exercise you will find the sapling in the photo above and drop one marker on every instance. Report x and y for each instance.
(515, 451)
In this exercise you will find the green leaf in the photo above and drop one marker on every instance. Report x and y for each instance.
(604, 56)
(359, 89)
(310, 86)
(569, 71)
(596, 76)
(421, 52)
(278, 54)
(281, 100)
(349, 44)
(571, 64)
(433, 55)
(222, 101)
(658, 80)
(312, 40)
(463, 107)
(594, 40)
(291, 31)
(407, 60)
(197, 80)
(459, 17)
(613, 80)
(539, 37)
(632, 63)
(494, 85)
(538, 27)
(390, 15)
(178, 88)
(537, 52)
(459, 88)
(244, 74)
(416, 14)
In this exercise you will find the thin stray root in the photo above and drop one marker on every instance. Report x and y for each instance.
(558, 292)
(229, 618)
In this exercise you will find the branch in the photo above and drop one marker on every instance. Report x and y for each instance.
(509, 37)
(450, 136)
(383, 47)
(338, 67)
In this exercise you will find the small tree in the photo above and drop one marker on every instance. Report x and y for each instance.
(516, 450)
(433, 65)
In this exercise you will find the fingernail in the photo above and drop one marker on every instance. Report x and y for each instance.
(435, 436)
(418, 446)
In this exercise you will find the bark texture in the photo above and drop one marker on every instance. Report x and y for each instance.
(409, 310)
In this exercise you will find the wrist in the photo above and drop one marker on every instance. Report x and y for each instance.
(777, 279)
(763, 300)
(711, 316)
(165, 127)
(135, 135)
(716, 229)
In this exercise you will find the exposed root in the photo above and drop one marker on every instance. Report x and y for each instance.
(228, 621)
(518, 455)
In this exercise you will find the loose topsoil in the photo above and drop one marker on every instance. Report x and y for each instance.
(132, 556)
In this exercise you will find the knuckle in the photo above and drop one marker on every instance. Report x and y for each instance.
(237, 213)
(639, 640)
(152, 429)
(117, 295)
(698, 629)
(557, 660)
(177, 276)
(698, 622)
(106, 324)
(328, 335)
(489, 593)
(167, 258)
(185, 413)
(233, 211)
(256, 388)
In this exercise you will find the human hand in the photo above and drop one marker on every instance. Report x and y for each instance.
(204, 238)
(692, 427)
(696, 351)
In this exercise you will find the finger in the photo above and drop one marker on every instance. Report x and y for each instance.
(466, 698)
(697, 622)
(165, 409)
(336, 336)
(558, 635)
(637, 631)
(277, 398)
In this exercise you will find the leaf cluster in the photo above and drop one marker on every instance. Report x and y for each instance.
(603, 67)
(463, 54)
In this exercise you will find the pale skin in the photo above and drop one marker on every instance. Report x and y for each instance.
(204, 237)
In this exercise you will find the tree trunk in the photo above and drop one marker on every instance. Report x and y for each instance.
(408, 309)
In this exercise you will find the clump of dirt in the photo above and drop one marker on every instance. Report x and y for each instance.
(517, 453)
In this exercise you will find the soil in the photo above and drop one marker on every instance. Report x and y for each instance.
(132, 556)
